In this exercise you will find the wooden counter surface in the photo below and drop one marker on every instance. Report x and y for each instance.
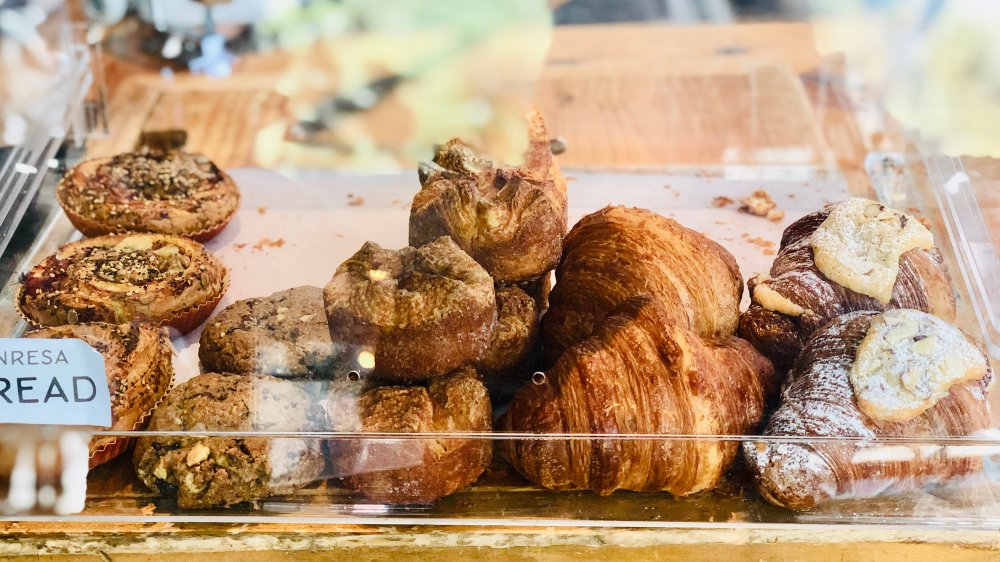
(663, 96)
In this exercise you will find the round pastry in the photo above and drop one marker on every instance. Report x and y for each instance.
(412, 470)
(157, 278)
(284, 335)
(414, 313)
(221, 471)
(169, 192)
(514, 341)
(510, 220)
(137, 362)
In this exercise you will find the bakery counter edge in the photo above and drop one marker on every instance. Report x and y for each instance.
(114, 541)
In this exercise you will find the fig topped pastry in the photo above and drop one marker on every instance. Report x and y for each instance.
(411, 314)
(852, 255)
(157, 278)
(871, 376)
(510, 220)
(621, 252)
(167, 192)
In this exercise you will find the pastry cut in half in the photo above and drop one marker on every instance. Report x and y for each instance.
(869, 378)
(416, 469)
(510, 220)
(411, 314)
(853, 255)
(157, 278)
(137, 362)
(210, 471)
(166, 192)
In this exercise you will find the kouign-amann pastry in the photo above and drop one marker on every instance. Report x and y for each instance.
(515, 338)
(640, 372)
(137, 362)
(166, 280)
(167, 192)
(510, 220)
(412, 470)
(414, 313)
(852, 255)
(620, 252)
(870, 375)
(221, 471)
(285, 335)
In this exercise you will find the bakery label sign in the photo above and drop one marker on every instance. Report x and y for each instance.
(52, 382)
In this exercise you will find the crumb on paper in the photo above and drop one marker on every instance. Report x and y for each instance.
(722, 201)
(262, 210)
(765, 245)
(268, 243)
(792, 195)
(758, 203)
(148, 509)
(395, 202)
(775, 215)
(720, 221)
(769, 252)
(239, 246)
(355, 200)
(338, 235)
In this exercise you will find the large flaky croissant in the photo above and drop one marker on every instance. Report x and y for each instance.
(922, 284)
(621, 252)
(819, 400)
(510, 220)
(640, 372)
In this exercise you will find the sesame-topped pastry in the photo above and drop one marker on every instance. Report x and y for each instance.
(166, 280)
(170, 192)
(139, 372)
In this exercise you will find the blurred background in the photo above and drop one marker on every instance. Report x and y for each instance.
(374, 84)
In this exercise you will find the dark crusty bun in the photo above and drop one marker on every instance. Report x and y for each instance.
(284, 334)
(220, 471)
(515, 341)
(168, 192)
(137, 362)
(412, 469)
(415, 313)
(511, 220)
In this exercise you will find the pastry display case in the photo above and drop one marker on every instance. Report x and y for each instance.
(651, 276)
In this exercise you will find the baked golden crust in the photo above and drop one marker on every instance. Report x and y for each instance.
(137, 362)
(811, 300)
(421, 312)
(818, 400)
(515, 340)
(510, 220)
(621, 252)
(163, 192)
(162, 279)
(639, 373)
(413, 470)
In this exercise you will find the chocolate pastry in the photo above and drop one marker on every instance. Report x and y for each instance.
(870, 258)
(869, 376)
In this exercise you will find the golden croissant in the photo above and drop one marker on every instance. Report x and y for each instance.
(621, 252)
(639, 373)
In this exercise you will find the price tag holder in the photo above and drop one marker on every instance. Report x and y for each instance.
(53, 382)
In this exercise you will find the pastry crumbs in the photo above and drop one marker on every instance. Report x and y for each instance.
(722, 201)
(262, 210)
(758, 203)
(355, 200)
(268, 243)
